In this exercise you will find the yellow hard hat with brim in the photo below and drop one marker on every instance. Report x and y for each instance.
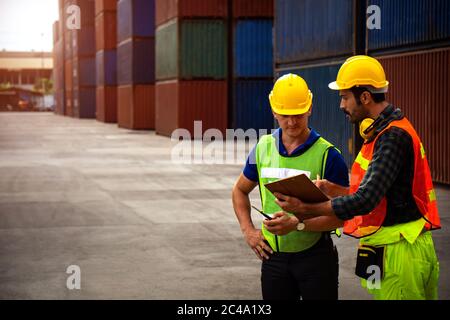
(360, 71)
(290, 95)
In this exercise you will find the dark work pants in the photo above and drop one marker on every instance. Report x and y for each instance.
(309, 275)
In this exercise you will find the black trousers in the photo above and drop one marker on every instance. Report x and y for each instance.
(309, 275)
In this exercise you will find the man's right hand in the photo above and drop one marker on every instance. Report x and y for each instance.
(255, 240)
(332, 190)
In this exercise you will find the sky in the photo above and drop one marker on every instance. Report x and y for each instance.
(27, 25)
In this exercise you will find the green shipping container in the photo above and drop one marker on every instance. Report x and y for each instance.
(191, 49)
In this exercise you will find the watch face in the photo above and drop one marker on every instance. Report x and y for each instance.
(300, 226)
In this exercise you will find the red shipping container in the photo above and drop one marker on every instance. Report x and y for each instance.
(68, 74)
(68, 111)
(106, 104)
(180, 103)
(419, 84)
(168, 9)
(253, 8)
(105, 5)
(136, 106)
(106, 31)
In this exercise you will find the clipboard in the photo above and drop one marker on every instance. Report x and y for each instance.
(299, 186)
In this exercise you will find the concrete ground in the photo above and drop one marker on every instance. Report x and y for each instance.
(109, 200)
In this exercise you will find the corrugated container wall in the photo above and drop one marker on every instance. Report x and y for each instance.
(313, 29)
(251, 108)
(106, 67)
(327, 118)
(136, 64)
(136, 61)
(253, 8)
(136, 106)
(169, 9)
(83, 62)
(106, 60)
(253, 48)
(419, 84)
(106, 31)
(406, 24)
(105, 6)
(189, 49)
(180, 103)
(135, 18)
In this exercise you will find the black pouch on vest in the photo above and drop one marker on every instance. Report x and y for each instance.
(368, 259)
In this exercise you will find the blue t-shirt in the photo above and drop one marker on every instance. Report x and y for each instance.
(336, 170)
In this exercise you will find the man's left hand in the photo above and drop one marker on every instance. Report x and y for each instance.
(281, 224)
(289, 204)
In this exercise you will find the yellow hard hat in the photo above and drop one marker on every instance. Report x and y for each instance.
(361, 71)
(290, 95)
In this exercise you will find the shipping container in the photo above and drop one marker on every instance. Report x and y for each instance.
(135, 18)
(84, 72)
(313, 29)
(87, 12)
(251, 108)
(253, 48)
(106, 104)
(58, 50)
(68, 111)
(190, 49)
(180, 103)
(168, 9)
(59, 102)
(68, 45)
(136, 106)
(105, 6)
(419, 85)
(55, 31)
(327, 118)
(136, 62)
(106, 68)
(83, 41)
(84, 102)
(68, 74)
(253, 8)
(407, 24)
(106, 31)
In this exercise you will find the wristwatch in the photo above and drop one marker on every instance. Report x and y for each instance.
(300, 226)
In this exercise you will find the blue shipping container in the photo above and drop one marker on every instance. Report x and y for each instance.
(253, 48)
(251, 108)
(135, 18)
(313, 29)
(136, 62)
(86, 69)
(409, 23)
(327, 118)
(84, 100)
(106, 67)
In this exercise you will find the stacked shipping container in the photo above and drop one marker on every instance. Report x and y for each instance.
(413, 45)
(191, 65)
(312, 38)
(106, 60)
(58, 68)
(252, 58)
(136, 63)
(83, 61)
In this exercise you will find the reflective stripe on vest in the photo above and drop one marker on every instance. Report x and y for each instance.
(271, 167)
(423, 192)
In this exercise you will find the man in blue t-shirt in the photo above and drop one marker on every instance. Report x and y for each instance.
(299, 259)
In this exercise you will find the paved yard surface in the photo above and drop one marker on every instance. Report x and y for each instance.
(80, 192)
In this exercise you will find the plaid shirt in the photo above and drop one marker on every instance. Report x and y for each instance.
(390, 174)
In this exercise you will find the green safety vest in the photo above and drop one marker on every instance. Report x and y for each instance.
(271, 167)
